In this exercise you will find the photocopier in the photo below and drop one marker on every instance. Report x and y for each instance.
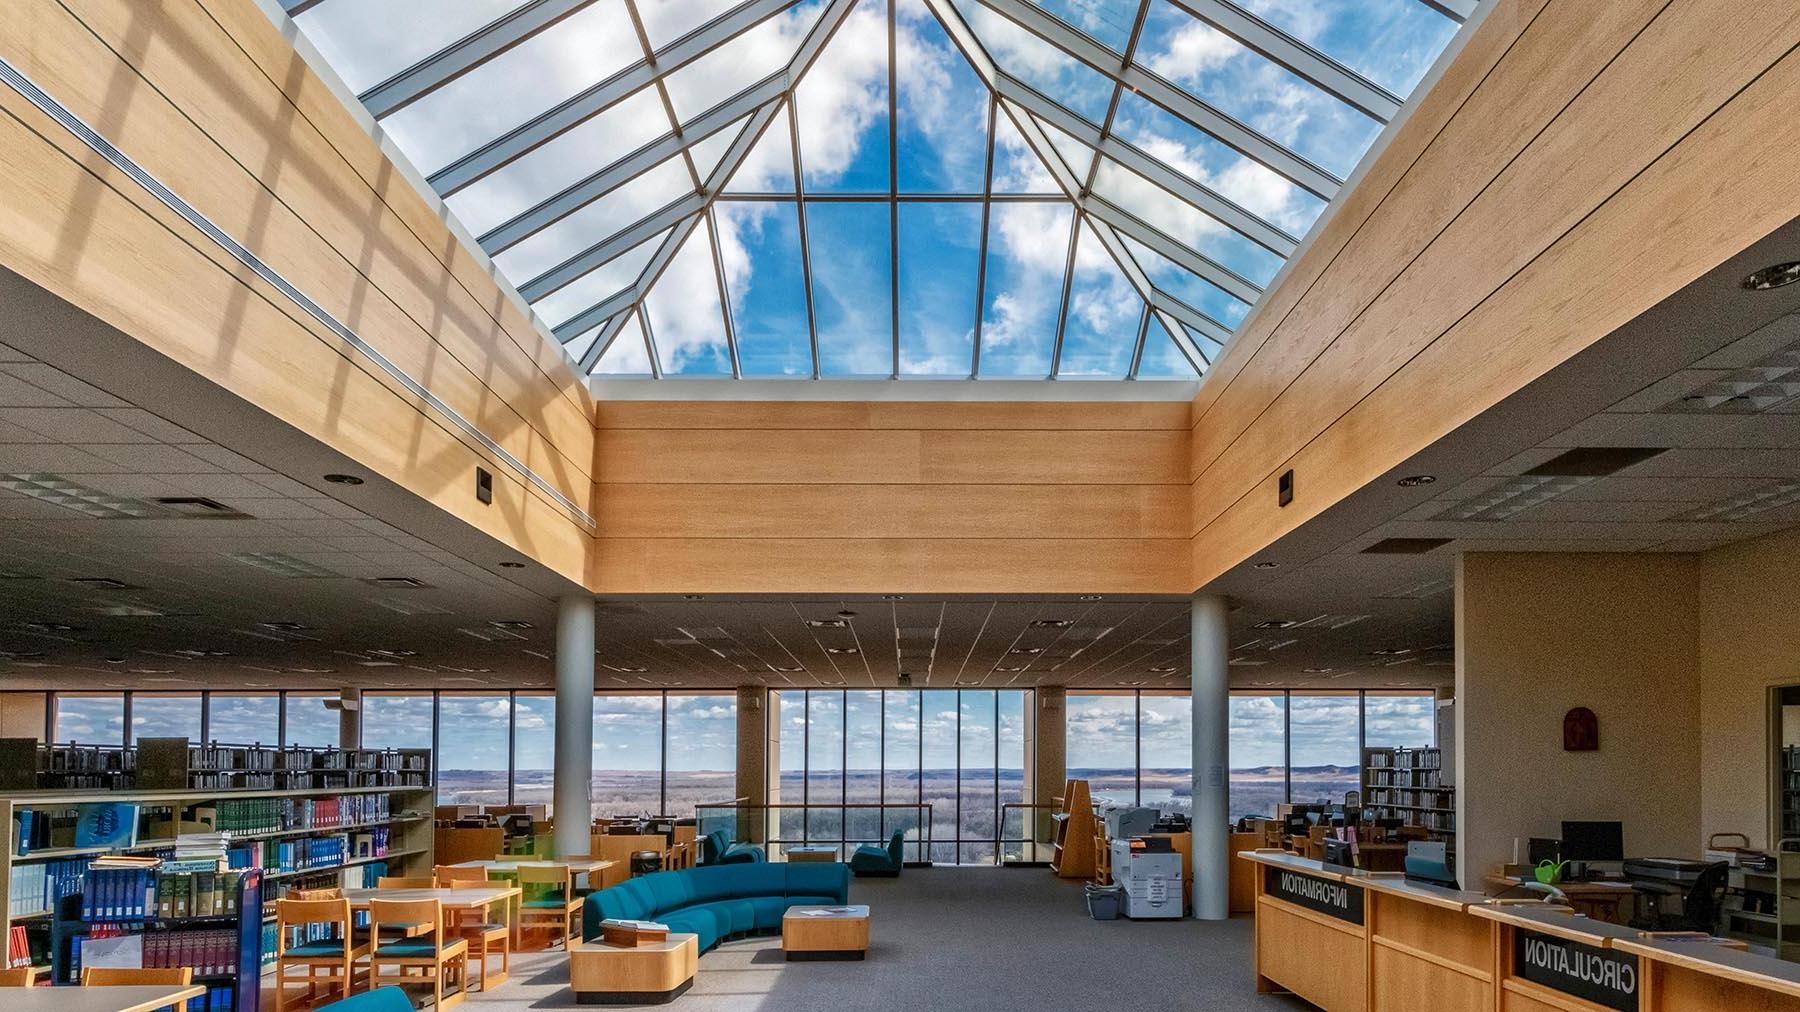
(1149, 871)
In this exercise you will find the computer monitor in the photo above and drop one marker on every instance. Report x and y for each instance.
(1593, 841)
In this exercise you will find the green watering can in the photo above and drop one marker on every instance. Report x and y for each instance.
(1550, 872)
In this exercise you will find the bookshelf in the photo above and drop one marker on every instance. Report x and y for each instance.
(305, 818)
(1407, 784)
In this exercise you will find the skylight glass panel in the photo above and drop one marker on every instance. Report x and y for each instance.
(1183, 284)
(611, 214)
(1028, 246)
(627, 355)
(1213, 67)
(628, 125)
(759, 245)
(686, 321)
(1162, 360)
(842, 105)
(577, 52)
(367, 43)
(597, 285)
(940, 264)
(1183, 222)
(1017, 168)
(1046, 69)
(739, 62)
(1196, 154)
(707, 152)
(1107, 22)
(769, 167)
(1076, 156)
(1390, 42)
(582, 342)
(1209, 348)
(852, 288)
(943, 108)
(1100, 332)
(667, 20)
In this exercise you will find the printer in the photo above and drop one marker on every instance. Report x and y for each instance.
(1124, 822)
(1149, 871)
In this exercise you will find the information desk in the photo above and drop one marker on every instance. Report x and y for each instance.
(1700, 975)
(1311, 933)
(1425, 951)
(1552, 959)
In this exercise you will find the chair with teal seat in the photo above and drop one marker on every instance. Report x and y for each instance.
(871, 861)
(716, 847)
(316, 938)
(383, 999)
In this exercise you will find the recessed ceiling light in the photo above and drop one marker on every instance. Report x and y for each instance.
(510, 623)
(787, 669)
(1011, 668)
(841, 650)
(1268, 565)
(846, 613)
(1391, 651)
(395, 653)
(893, 597)
(398, 582)
(1274, 623)
(52, 627)
(1415, 480)
(512, 565)
(1089, 597)
(631, 669)
(1051, 623)
(1773, 277)
(1027, 650)
(1165, 670)
(826, 623)
(693, 597)
(1317, 671)
(284, 626)
(343, 479)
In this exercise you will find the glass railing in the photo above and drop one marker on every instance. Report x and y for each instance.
(781, 828)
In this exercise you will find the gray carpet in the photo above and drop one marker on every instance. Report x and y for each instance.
(989, 939)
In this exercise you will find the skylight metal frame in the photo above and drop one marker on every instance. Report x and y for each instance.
(756, 106)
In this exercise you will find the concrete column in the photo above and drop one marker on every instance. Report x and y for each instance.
(1210, 643)
(752, 758)
(1051, 763)
(574, 723)
(350, 718)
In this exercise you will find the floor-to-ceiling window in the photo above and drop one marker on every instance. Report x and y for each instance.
(244, 718)
(874, 756)
(534, 749)
(1166, 752)
(310, 719)
(89, 718)
(1324, 746)
(1399, 720)
(1258, 753)
(165, 715)
(1102, 744)
(700, 732)
(627, 755)
(475, 731)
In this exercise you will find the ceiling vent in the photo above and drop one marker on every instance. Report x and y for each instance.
(200, 507)
(1405, 546)
(1513, 497)
(283, 565)
(1595, 461)
(1764, 386)
(398, 583)
(1743, 507)
(90, 502)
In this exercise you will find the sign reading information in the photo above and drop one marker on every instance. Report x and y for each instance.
(1345, 902)
(1585, 971)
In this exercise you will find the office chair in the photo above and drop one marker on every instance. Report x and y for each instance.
(1699, 905)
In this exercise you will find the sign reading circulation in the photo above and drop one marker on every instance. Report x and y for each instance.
(1585, 971)
(1345, 902)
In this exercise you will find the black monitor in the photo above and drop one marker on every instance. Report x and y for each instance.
(1593, 841)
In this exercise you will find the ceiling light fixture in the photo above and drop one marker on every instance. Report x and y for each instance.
(1027, 650)
(893, 597)
(343, 479)
(1317, 671)
(1268, 565)
(510, 623)
(826, 623)
(1089, 597)
(1164, 670)
(1051, 623)
(846, 613)
(693, 597)
(512, 565)
(1274, 623)
(842, 650)
(1011, 668)
(1772, 277)
(1415, 480)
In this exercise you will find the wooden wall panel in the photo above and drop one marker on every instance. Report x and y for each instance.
(74, 225)
(1630, 162)
(808, 497)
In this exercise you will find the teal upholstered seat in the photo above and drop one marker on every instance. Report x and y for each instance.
(716, 848)
(872, 860)
(322, 947)
(382, 999)
(718, 901)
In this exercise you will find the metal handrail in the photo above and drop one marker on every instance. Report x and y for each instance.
(741, 812)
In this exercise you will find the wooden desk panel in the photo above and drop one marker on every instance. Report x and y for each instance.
(1311, 955)
(1405, 981)
(1679, 989)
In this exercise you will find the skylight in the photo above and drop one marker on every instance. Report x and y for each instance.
(890, 189)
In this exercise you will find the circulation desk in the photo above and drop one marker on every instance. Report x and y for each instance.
(1353, 941)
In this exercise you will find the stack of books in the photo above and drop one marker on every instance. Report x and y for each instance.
(630, 934)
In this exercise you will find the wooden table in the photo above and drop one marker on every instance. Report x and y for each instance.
(816, 854)
(649, 974)
(476, 898)
(108, 998)
(594, 868)
(831, 932)
(1603, 901)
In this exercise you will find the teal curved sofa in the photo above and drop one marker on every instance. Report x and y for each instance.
(716, 848)
(719, 902)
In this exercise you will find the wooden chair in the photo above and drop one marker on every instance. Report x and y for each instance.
(449, 876)
(329, 961)
(432, 956)
(332, 893)
(108, 976)
(484, 934)
(19, 976)
(549, 900)
(406, 882)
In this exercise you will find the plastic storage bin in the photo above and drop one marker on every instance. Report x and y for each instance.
(1103, 902)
